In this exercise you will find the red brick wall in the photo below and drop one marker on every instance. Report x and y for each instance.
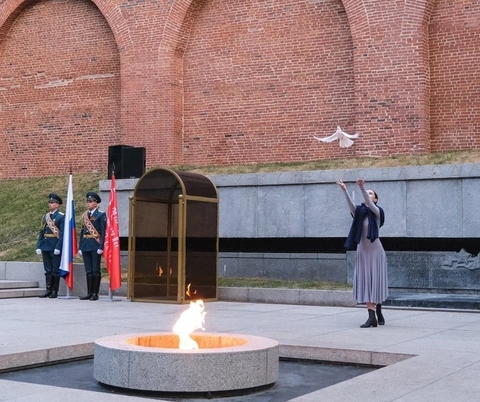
(59, 88)
(261, 78)
(455, 75)
(209, 82)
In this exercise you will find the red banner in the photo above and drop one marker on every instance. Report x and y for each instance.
(112, 240)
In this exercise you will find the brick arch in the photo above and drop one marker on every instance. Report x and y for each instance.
(358, 18)
(59, 104)
(171, 49)
(414, 36)
(390, 38)
(9, 10)
(219, 142)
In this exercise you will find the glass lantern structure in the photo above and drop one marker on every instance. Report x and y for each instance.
(173, 238)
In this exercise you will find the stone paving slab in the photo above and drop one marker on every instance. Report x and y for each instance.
(430, 355)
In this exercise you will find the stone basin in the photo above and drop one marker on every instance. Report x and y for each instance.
(153, 362)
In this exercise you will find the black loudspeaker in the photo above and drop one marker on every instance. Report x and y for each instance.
(126, 161)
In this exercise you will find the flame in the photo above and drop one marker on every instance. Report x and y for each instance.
(160, 270)
(189, 321)
(188, 293)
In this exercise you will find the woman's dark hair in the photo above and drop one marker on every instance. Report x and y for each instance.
(376, 196)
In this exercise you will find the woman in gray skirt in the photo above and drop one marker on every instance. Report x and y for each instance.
(370, 284)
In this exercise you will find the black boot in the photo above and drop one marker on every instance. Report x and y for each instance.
(89, 289)
(95, 287)
(381, 319)
(56, 283)
(371, 322)
(48, 286)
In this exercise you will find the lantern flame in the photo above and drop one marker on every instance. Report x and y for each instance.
(188, 292)
(189, 321)
(160, 270)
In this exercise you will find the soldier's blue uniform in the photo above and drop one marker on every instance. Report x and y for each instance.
(91, 247)
(50, 245)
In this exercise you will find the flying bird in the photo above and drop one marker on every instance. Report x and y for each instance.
(343, 138)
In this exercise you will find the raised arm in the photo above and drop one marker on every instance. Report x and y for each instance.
(366, 197)
(350, 203)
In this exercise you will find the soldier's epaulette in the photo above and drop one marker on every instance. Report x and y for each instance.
(61, 213)
(100, 211)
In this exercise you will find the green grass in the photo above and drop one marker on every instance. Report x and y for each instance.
(453, 157)
(280, 284)
(23, 203)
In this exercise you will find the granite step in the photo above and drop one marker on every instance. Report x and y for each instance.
(17, 284)
(17, 289)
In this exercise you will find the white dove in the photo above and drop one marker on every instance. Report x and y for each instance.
(344, 139)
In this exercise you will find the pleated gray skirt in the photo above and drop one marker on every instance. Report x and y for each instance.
(370, 279)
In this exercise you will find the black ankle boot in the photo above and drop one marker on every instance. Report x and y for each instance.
(95, 287)
(89, 289)
(55, 285)
(371, 322)
(48, 286)
(381, 319)
(47, 294)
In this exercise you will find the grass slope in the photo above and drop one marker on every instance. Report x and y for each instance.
(23, 203)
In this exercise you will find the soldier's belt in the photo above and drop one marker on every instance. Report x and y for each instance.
(49, 235)
(88, 237)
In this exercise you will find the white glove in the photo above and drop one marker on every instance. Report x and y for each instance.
(80, 252)
(56, 252)
(99, 251)
(38, 251)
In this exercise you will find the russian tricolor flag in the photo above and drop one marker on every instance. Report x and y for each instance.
(69, 248)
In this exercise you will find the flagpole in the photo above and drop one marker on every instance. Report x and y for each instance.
(67, 296)
(110, 297)
(66, 264)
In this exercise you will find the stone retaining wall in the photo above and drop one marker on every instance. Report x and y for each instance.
(442, 272)
(431, 202)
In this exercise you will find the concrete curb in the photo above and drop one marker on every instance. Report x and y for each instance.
(336, 298)
(43, 357)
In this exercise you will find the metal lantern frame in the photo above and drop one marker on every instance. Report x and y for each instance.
(173, 238)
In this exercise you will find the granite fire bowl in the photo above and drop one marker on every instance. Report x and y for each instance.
(153, 362)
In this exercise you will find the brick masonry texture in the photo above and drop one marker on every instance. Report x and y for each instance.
(214, 82)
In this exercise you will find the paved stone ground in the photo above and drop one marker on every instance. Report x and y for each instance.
(428, 355)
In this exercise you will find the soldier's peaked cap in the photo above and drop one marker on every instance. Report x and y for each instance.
(92, 196)
(55, 198)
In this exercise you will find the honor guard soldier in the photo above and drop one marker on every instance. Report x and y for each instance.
(49, 244)
(92, 239)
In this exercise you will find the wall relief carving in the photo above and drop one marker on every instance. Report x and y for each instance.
(462, 259)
